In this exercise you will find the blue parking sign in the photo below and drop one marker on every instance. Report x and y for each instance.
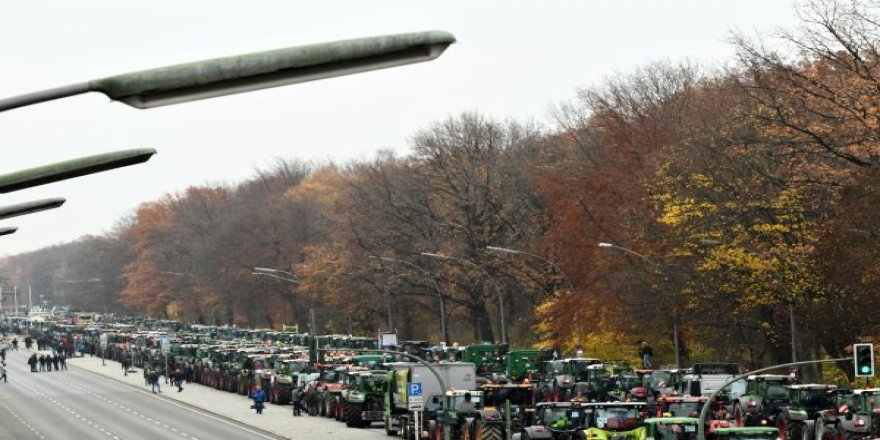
(414, 389)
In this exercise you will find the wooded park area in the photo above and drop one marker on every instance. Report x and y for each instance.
(746, 194)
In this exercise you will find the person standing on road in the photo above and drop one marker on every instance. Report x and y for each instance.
(32, 361)
(259, 397)
(177, 379)
(296, 399)
(55, 361)
(153, 379)
(646, 352)
(62, 358)
(3, 372)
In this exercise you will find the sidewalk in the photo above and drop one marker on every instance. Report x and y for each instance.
(275, 420)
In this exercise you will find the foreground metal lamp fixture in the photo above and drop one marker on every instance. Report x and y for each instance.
(73, 168)
(253, 71)
(30, 207)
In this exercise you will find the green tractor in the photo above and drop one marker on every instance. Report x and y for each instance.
(487, 358)
(362, 401)
(287, 370)
(561, 376)
(518, 398)
(481, 424)
(521, 364)
(769, 393)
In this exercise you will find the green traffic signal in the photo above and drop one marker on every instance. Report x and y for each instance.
(863, 355)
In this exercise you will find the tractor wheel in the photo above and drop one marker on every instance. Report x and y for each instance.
(489, 431)
(467, 432)
(823, 432)
(798, 431)
(353, 415)
(341, 407)
(404, 429)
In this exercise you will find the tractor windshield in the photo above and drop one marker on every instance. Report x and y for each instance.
(516, 396)
(658, 377)
(617, 419)
(815, 398)
(676, 431)
(684, 409)
(551, 414)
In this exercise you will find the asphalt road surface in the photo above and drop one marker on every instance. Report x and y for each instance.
(76, 404)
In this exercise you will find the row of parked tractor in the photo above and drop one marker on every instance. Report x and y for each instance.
(523, 394)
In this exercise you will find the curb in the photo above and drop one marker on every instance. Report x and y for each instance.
(188, 405)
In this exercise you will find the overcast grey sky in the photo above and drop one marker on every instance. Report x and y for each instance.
(513, 59)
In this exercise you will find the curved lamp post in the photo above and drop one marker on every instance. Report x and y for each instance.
(30, 207)
(290, 278)
(580, 348)
(674, 305)
(253, 71)
(502, 322)
(443, 333)
(69, 169)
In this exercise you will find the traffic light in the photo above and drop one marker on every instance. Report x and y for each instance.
(863, 356)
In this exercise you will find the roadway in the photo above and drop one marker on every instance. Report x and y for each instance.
(76, 404)
(91, 401)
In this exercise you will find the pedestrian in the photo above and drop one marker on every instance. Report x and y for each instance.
(63, 360)
(32, 361)
(42, 361)
(646, 352)
(259, 397)
(3, 372)
(14, 344)
(154, 381)
(125, 366)
(177, 379)
(55, 361)
(296, 399)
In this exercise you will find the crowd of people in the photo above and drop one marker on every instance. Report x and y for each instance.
(47, 362)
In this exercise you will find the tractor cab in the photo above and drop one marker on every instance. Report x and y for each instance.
(671, 428)
(557, 420)
(680, 406)
(616, 420)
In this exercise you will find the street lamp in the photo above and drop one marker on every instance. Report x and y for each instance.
(491, 280)
(253, 71)
(505, 250)
(290, 278)
(674, 302)
(443, 333)
(6, 230)
(68, 169)
(30, 207)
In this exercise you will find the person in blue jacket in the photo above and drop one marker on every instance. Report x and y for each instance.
(260, 398)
